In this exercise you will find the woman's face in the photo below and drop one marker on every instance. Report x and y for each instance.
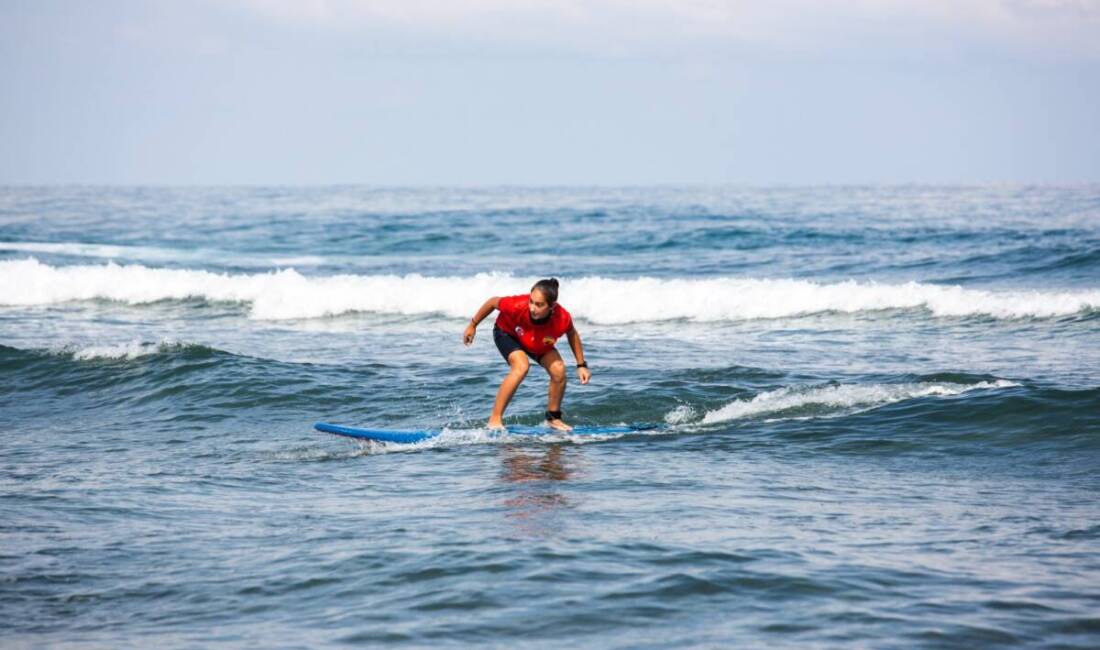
(540, 309)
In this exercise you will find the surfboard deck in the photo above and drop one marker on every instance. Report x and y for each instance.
(408, 437)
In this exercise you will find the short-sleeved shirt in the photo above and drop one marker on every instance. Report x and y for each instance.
(537, 338)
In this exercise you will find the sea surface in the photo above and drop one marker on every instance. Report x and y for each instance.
(878, 416)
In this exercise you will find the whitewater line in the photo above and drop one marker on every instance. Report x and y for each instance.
(287, 294)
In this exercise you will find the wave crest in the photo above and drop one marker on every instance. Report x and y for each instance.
(809, 401)
(287, 294)
(121, 351)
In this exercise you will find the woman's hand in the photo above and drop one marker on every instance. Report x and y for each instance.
(468, 336)
(584, 375)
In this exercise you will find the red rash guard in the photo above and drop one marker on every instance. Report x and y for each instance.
(536, 338)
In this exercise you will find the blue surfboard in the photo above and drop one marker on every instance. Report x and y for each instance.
(408, 437)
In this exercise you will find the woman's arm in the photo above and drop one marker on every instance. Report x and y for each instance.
(578, 352)
(482, 312)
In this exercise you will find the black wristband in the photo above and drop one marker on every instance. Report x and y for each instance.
(582, 364)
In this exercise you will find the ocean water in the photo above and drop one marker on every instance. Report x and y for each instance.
(879, 414)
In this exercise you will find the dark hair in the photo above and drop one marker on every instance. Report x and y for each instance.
(548, 288)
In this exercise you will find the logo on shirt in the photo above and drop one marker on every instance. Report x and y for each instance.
(548, 340)
(519, 330)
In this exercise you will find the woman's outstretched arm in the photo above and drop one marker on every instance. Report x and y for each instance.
(482, 312)
(583, 373)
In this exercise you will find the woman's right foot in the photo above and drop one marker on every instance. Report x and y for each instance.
(495, 423)
(558, 424)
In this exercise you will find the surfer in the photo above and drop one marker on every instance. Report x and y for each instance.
(528, 326)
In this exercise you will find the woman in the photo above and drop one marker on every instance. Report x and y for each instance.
(528, 326)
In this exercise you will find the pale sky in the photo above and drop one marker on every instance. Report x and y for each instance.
(544, 92)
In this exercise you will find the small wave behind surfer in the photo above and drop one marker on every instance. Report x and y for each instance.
(528, 326)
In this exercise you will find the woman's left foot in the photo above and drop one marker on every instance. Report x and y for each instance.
(559, 425)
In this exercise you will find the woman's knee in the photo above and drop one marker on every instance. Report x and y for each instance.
(520, 365)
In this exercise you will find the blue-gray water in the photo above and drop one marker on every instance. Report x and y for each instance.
(880, 412)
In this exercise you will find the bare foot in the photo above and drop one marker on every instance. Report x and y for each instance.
(559, 425)
(495, 423)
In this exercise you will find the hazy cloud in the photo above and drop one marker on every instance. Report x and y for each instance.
(1057, 28)
(549, 91)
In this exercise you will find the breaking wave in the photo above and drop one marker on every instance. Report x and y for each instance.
(809, 401)
(287, 294)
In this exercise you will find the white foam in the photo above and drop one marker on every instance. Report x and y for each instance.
(843, 398)
(453, 437)
(131, 350)
(679, 415)
(287, 294)
(161, 255)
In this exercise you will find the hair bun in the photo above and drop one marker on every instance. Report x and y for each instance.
(549, 288)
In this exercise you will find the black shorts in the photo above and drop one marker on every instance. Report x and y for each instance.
(507, 345)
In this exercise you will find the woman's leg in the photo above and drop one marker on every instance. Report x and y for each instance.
(519, 364)
(555, 367)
